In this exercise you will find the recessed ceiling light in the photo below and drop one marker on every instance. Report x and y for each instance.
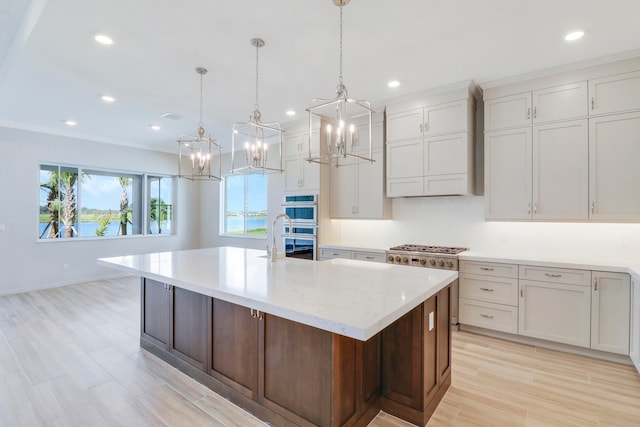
(393, 83)
(70, 123)
(103, 38)
(574, 35)
(154, 127)
(107, 98)
(291, 113)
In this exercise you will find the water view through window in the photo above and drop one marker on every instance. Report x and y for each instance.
(245, 205)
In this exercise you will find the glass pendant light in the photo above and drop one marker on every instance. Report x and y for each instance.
(260, 144)
(341, 118)
(196, 151)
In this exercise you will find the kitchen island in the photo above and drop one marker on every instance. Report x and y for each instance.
(299, 342)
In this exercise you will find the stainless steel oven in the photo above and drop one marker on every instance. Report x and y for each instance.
(442, 257)
(301, 240)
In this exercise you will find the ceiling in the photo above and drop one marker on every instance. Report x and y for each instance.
(51, 69)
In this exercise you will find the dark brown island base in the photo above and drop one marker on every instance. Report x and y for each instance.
(291, 374)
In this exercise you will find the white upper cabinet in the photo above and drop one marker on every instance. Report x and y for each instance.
(507, 178)
(539, 106)
(507, 112)
(560, 170)
(358, 190)
(430, 144)
(614, 167)
(614, 94)
(560, 103)
(301, 175)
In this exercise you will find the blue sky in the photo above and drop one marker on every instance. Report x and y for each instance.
(257, 190)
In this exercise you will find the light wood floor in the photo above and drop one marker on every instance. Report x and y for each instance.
(70, 357)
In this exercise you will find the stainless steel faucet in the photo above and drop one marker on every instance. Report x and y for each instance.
(274, 250)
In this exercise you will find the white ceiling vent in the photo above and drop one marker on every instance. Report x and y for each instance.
(170, 115)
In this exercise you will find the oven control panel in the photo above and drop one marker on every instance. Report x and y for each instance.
(442, 262)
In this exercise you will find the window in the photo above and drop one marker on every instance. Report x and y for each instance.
(76, 202)
(245, 205)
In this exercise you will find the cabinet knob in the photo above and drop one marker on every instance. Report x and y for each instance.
(593, 103)
(529, 113)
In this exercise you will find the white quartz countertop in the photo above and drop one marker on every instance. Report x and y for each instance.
(353, 298)
(352, 247)
(631, 266)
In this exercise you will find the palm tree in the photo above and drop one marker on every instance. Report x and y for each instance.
(53, 205)
(69, 206)
(158, 212)
(124, 205)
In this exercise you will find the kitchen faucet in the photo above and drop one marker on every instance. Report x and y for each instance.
(274, 250)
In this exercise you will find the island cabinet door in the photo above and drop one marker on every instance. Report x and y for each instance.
(155, 307)
(416, 360)
(234, 347)
(188, 326)
(317, 378)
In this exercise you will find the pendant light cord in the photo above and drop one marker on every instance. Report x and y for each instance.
(257, 106)
(201, 74)
(340, 79)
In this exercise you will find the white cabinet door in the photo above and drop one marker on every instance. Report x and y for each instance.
(446, 118)
(404, 125)
(343, 191)
(370, 199)
(293, 178)
(560, 103)
(634, 350)
(404, 159)
(615, 94)
(507, 112)
(555, 312)
(614, 175)
(610, 305)
(293, 143)
(446, 154)
(561, 170)
(508, 174)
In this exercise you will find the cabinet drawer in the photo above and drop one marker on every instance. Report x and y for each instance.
(369, 256)
(498, 290)
(487, 315)
(556, 275)
(489, 268)
(330, 253)
(404, 187)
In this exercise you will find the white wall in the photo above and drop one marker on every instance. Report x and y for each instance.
(26, 263)
(459, 221)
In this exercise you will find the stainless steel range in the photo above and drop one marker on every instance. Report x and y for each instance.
(441, 257)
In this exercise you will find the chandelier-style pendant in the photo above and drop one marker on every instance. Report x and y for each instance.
(343, 119)
(196, 152)
(260, 144)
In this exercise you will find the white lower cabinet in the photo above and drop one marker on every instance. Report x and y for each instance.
(555, 304)
(610, 312)
(634, 345)
(489, 295)
(329, 252)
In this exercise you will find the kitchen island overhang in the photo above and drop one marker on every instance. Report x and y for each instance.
(340, 338)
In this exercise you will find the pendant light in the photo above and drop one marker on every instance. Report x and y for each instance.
(342, 119)
(196, 151)
(259, 144)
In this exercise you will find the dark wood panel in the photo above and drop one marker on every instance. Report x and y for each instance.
(444, 333)
(429, 349)
(156, 312)
(402, 359)
(234, 347)
(189, 328)
(371, 369)
(345, 376)
(297, 371)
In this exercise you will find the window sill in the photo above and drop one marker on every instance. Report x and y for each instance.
(91, 239)
(244, 236)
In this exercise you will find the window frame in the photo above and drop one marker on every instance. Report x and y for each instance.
(144, 196)
(223, 209)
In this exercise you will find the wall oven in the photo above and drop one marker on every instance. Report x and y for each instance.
(303, 211)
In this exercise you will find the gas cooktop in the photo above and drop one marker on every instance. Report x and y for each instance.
(429, 249)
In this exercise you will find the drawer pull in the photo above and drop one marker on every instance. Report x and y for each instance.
(335, 254)
(486, 268)
(486, 289)
(486, 316)
(369, 257)
(552, 275)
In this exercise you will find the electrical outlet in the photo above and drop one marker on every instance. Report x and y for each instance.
(431, 321)
(1, 227)
(65, 266)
